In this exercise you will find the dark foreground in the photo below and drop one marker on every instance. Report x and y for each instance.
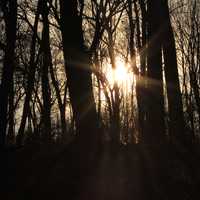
(135, 172)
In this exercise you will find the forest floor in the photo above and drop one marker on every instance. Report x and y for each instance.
(136, 172)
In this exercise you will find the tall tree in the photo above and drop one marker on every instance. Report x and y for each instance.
(141, 85)
(155, 103)
(141, 43)
(9, 8)
(175, 106)
(31, 76)
(77, 64)
(46, 62)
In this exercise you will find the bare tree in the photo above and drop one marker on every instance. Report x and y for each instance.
(46, 62)
(155, 102)
(30, 78)
(9, 9)
(77, 64)
(175, 106)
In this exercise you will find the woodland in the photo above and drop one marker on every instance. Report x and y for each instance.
(100, 99)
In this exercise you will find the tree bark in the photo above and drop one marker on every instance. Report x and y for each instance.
(139, 74)
(79, 76)
(11, 123)
(176, 119)
(61, 104)
(31, 78)
(155, 99)
(10, 16)
(46, 62)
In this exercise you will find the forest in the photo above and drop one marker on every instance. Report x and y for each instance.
(100, 99)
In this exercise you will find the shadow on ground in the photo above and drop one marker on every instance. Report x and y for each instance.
(135, 172)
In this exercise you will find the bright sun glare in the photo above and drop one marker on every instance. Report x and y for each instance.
(120, 72)
(121, 75)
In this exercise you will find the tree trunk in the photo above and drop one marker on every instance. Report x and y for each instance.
(61, 104)
(115, 120)
(11, 133)
(77, 64)
(31, 78)
(46, 61)
(140, 86)
(155, 102)
(176, 119)
(10, 16)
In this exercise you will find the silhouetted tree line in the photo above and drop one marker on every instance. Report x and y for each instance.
(51, 58)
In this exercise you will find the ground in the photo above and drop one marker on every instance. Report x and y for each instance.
(136, 172)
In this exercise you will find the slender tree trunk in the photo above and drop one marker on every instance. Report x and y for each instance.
(46, 61)
(195, 87)
(140, 86)
(11, 133)
(10, 16)
(61, 104)
(115, 120)
(97, 64)
(31, 78)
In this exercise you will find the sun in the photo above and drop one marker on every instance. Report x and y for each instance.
(120, 75)
(121, 72)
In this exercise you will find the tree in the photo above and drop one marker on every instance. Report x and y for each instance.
(77, 64)
(30, 78)
(10, 17)
(175, 106)
(155, 103)
(46, 62)
(186, 30)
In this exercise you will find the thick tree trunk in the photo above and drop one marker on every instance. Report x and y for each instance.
(155, 102)
(176, 119)
(77, 64)
(10, 17)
